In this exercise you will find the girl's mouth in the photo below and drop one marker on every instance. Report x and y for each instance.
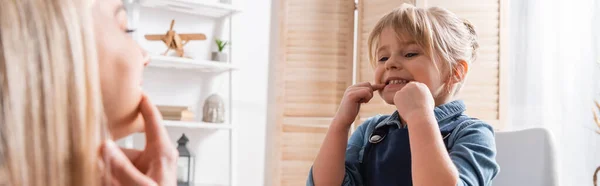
(395, 84)
(397, 81)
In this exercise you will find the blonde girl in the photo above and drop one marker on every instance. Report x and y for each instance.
(421, 58)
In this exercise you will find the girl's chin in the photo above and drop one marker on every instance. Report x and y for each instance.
(388, 97)
(389, 101)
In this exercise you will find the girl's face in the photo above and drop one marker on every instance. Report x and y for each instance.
(399, 61)
(121, 63)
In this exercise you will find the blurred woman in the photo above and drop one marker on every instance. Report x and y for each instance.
(70, 77)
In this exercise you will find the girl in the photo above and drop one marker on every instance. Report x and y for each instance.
(69, 84)
(421, 57)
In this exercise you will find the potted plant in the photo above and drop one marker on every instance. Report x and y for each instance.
(220, 55)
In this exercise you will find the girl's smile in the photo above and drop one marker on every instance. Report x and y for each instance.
(394, 84)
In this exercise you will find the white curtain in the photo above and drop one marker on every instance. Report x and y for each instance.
(554, 77)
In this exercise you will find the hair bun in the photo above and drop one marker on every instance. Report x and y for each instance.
(473, 38)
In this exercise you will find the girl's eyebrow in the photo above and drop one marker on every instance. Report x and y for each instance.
(406, 43)
(382, 48)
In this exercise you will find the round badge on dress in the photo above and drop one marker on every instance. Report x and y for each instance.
(375, 138)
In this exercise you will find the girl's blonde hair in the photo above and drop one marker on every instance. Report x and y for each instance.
(51, 117)
(438, 31)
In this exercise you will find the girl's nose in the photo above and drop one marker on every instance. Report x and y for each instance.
(392, 64)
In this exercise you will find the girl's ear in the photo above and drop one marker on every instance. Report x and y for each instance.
(460, 71)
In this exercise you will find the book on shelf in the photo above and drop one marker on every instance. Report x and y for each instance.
(176, 113)
(171, 108)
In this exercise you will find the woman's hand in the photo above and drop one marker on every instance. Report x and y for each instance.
(353, 97)
(155, 165)
(414, 100)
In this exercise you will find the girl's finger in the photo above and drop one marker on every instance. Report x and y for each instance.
(121, 168)
(373, 87)
(377, 86)
(369, 97)
(363, 84)
(366, 95)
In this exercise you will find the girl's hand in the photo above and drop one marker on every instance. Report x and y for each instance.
(353, 97)
(414, 100)
(155, 165)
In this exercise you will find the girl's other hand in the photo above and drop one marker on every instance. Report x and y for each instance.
(353, 97)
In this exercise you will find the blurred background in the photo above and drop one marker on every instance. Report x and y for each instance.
(288, 62)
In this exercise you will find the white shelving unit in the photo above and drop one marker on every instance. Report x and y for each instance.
(207, 69)
(196, 125)
(194, 7)
(193, 64)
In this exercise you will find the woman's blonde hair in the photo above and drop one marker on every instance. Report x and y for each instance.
(51, 117)
(438, 31)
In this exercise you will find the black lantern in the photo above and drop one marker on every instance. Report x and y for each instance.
(185, 163)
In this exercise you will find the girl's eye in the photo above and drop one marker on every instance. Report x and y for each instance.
(129, 31)
(409, 55)
(383, 59)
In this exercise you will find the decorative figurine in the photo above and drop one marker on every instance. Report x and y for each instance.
(214, 109)
(175, 41)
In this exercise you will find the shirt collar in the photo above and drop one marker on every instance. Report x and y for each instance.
(442, 113)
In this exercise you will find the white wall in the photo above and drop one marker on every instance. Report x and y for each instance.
(251, 51)
(271, 132)
(595, 144)
(553, 75)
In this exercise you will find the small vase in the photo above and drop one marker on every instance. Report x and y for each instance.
(219, 56)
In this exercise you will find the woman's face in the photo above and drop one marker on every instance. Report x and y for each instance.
(121, 63)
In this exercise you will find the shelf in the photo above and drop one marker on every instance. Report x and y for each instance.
(195, 7)
(196, 125)
(187, 63)
(207, 184)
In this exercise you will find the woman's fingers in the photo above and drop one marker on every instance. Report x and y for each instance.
(121, 168)
(132, 154)
(159, 159)
(152, 117)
